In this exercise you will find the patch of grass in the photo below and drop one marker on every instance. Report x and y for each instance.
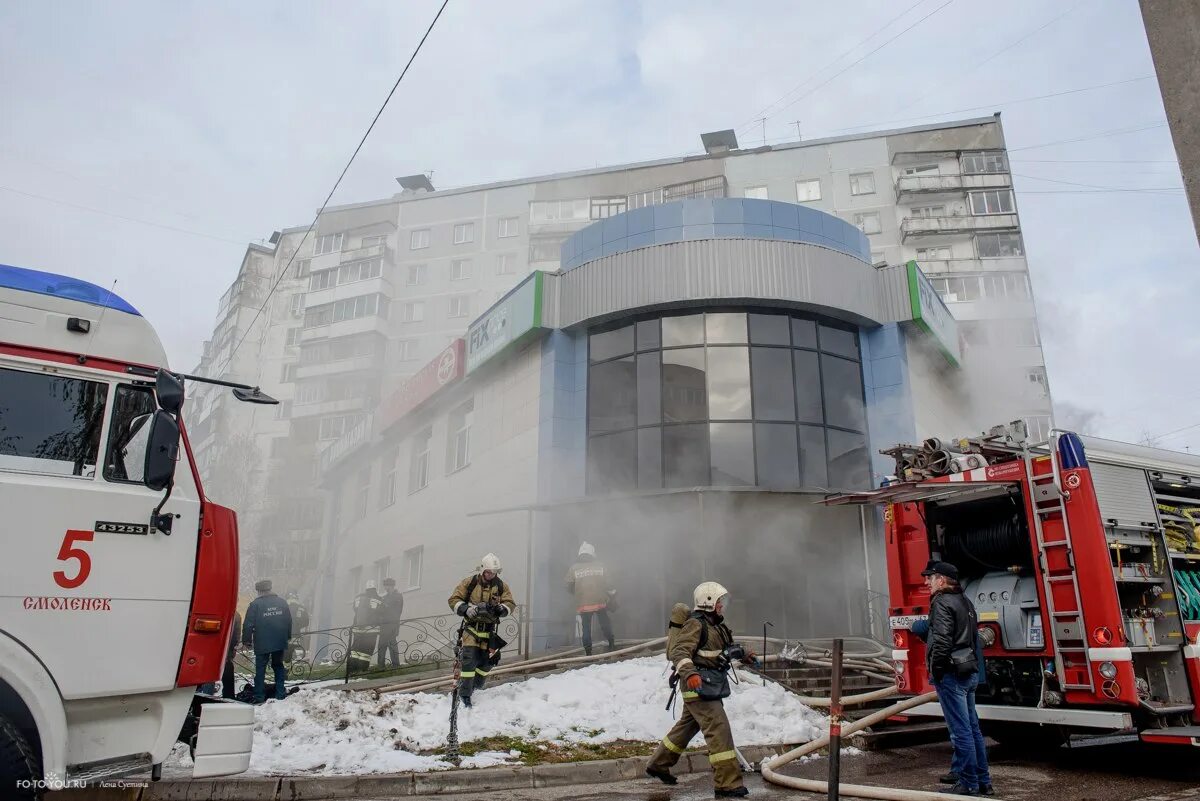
(535, 752)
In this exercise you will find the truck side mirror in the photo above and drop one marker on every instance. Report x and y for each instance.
(168, 388)
(162, 451)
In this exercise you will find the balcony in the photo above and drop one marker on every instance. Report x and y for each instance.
(1010, 264)
(956, 225)
(911, 188)
(356, 364)
(352, 289)
(369, 252)
(322, 408)
(359, 325)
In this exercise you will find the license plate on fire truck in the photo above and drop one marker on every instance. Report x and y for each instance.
(905, 621)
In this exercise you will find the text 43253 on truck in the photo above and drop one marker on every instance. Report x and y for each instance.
(1082, 559)
(119, 578)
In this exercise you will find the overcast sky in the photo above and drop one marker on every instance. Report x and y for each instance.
(195, 127)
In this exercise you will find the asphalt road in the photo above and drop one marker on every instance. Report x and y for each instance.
(1126, 772)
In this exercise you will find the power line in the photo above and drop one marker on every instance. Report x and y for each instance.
(137, 220)
(1100, 186)
(338, 182)
(810, 78)
(1103, 135)
(1173, 162)
(1168, 192)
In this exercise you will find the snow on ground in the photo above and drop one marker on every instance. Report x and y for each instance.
(318, 731)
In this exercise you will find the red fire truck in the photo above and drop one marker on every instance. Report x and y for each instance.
(1082, 558)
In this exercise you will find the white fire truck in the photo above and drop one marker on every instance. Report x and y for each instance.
(118, 579)
(1082, 558)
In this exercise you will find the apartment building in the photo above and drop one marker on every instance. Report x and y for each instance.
(382, 287)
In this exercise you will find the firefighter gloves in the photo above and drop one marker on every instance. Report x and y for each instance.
(693, 682)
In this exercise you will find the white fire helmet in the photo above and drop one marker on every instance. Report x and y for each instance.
(371, 584)
(587, 549)
(489, 562)
(707, 594)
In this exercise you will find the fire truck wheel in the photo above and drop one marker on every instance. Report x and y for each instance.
(19, 767)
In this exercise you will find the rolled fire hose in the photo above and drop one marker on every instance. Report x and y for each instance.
(854, 790)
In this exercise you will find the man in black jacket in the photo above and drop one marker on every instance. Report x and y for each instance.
(390, 612)
(951, 658)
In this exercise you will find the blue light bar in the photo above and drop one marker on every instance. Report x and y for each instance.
(61, 286)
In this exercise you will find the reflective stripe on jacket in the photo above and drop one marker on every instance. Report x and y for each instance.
(478, 631)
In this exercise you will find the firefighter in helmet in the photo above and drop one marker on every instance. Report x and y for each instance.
(482, 599)
(701, 653)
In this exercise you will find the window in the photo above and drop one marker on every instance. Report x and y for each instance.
(464, 233)
(362, 494)
(728, 376)
(330, 243)
(412, 567)
(639, 200)
(551, 211)
(975, 163)
(612, 392)
(348, 309)
(757, 192)
(999, 246)
(731, 454)
(506, 263)
(1037, 379)
(417, 274)
(1007, 286)
(406, 350)
(993, 202)
(289, 373)
(1021, 333)
(923, 169)
(605, 207)
(419, 239)
(609, 344)
(309, 392)
(928, 211)
(51, 423)
(297, 305)
(808, 190)
(841, 380)
(383, 569)
(862, 183)
(322, 280)
(359, 271)
(458, 437)
(418, 460)
(939, 253)
(337, 425)
(544, 249)
(705, 187)
(775, 455)
(303, 267)
(460, 269)
(412, 312)
(128, 434)
(685, 455)
(387, 469)
(293, 337)
(459, 306)
(284, 410)
(612, 462)
(508, 226)
(372, 241)
(868, 222)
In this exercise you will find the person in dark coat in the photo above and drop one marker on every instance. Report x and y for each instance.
(390, 611)
(952, 657)
(268, 628)
(364, 634)
(227, 678)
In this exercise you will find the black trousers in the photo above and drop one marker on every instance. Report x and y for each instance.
(474, 670)
(605, 626)
(388, 632)
(227, 688)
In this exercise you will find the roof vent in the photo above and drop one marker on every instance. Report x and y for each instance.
(719, 141)
(412, 184)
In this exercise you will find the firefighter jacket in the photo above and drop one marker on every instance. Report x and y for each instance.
(472, 591)
(588, 579)
(392, 608)
(699, 644)
(366, 608)
(952, 623)
(268, 625)
(299, 616)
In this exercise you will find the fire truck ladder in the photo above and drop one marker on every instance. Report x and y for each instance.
(1065, 605)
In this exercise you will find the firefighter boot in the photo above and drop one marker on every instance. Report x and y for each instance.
(736, 792)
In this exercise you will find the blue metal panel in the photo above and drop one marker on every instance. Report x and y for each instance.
(61, 286)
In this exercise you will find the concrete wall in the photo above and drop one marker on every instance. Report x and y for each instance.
(1173, 30)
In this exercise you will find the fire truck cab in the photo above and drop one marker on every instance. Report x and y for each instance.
(119, 578)
(1082, 559)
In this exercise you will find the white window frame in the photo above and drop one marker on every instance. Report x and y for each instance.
(998, 234)
(413, 556)
(412, 311)
(860, 220)
(757, 192)
(508, 227)
(640, 200)
(419, 239)
(460, 269)
(923, 169)
(389, 468)
(293, 337)
(993, 202)
(418, 460)
(329, 243)
(458, 440)
(928, 212)
(458, 306)
(858, 180)
(804, 190)
(298, 305)
(406, 349)
(420, 272)
(938, 250)
(506, 264)
(602, 208)
(372, 241)
(984, 162)
(542, 212)
(464, 233)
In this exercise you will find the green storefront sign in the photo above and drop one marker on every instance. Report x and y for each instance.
(931, 314)
(514, 318)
